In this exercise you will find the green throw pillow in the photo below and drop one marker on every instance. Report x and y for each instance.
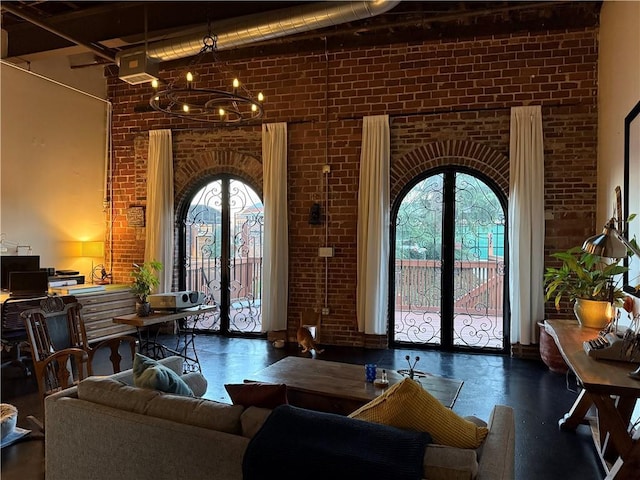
(147, 373)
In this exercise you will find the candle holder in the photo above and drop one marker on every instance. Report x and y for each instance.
(411, 372)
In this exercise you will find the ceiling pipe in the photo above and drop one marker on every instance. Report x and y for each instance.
(264, 26)
(98, 49)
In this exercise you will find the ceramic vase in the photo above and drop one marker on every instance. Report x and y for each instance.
(143, 309)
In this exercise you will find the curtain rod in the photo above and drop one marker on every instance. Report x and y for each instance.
(460, 110)
(391, 115)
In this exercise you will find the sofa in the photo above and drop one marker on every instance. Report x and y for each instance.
(105, 428)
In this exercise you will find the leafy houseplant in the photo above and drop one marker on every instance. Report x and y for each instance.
(144, 280)
(583, 276)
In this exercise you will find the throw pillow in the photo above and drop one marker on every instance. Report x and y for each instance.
(147, 373)
(257, 394)
(407, 405)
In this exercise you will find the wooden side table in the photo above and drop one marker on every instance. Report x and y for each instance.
(185, 347)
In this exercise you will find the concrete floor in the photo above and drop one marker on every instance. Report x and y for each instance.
(540, 398)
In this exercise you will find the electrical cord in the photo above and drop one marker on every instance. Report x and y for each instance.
(569, 372)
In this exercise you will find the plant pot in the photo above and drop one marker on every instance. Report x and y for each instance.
(143, 309)
(549, 352)
(592, 313)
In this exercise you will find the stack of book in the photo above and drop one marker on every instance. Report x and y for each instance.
(77, 289)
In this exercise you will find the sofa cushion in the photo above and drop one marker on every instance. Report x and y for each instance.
(257, 394)
(449, 463)
(407, 405)
(252, 420)
(188, 410)
(196, 382)
(148, 373)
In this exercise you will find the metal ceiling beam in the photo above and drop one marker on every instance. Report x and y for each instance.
(96, 48)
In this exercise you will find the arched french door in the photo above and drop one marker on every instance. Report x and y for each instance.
(221, 251)
(448, 263)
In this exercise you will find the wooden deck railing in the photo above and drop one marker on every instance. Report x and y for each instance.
(479, 286)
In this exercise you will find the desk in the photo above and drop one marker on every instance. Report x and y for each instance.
(186, 335)
(341, 388)
(607, 387)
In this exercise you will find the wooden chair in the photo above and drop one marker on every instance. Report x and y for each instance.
(115, 346)
(57, 339)
(60, 351)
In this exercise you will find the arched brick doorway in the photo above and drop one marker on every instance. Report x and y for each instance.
(220, 223)
(449, 248)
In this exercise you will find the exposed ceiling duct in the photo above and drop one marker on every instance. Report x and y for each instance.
(248, 29)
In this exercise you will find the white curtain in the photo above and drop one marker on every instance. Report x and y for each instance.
(159, 215)
(373, 226)
(275, 268)
(526, 223)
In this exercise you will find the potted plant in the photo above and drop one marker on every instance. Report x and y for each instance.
(144, 280)
(588, 281)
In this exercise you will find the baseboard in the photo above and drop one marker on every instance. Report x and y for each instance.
(526, 352)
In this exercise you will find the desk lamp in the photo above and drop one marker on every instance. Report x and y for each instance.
(612, 244)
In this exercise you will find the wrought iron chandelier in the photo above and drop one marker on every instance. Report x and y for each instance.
(182, 99)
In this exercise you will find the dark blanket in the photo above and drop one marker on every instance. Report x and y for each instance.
(302, 444)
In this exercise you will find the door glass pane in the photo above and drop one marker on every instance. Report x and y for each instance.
(247, 226)
(203, 226)
(418, 264)
(479, 265)
(237, 271)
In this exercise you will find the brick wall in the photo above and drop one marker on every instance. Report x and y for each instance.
(448, 102)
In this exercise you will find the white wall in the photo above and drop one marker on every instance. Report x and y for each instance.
(53, 148)
(618, 92)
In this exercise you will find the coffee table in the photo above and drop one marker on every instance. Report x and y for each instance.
(341, 388)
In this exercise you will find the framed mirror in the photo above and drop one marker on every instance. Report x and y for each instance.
(632, 194)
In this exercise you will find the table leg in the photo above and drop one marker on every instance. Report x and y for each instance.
(148, 346)
(618, 443)
(578, 411)
(626, 468)
(186, 342)
(624, 407)
(186, 345)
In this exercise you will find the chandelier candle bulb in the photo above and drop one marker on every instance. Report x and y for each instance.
(154, 83)
(182, 98)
